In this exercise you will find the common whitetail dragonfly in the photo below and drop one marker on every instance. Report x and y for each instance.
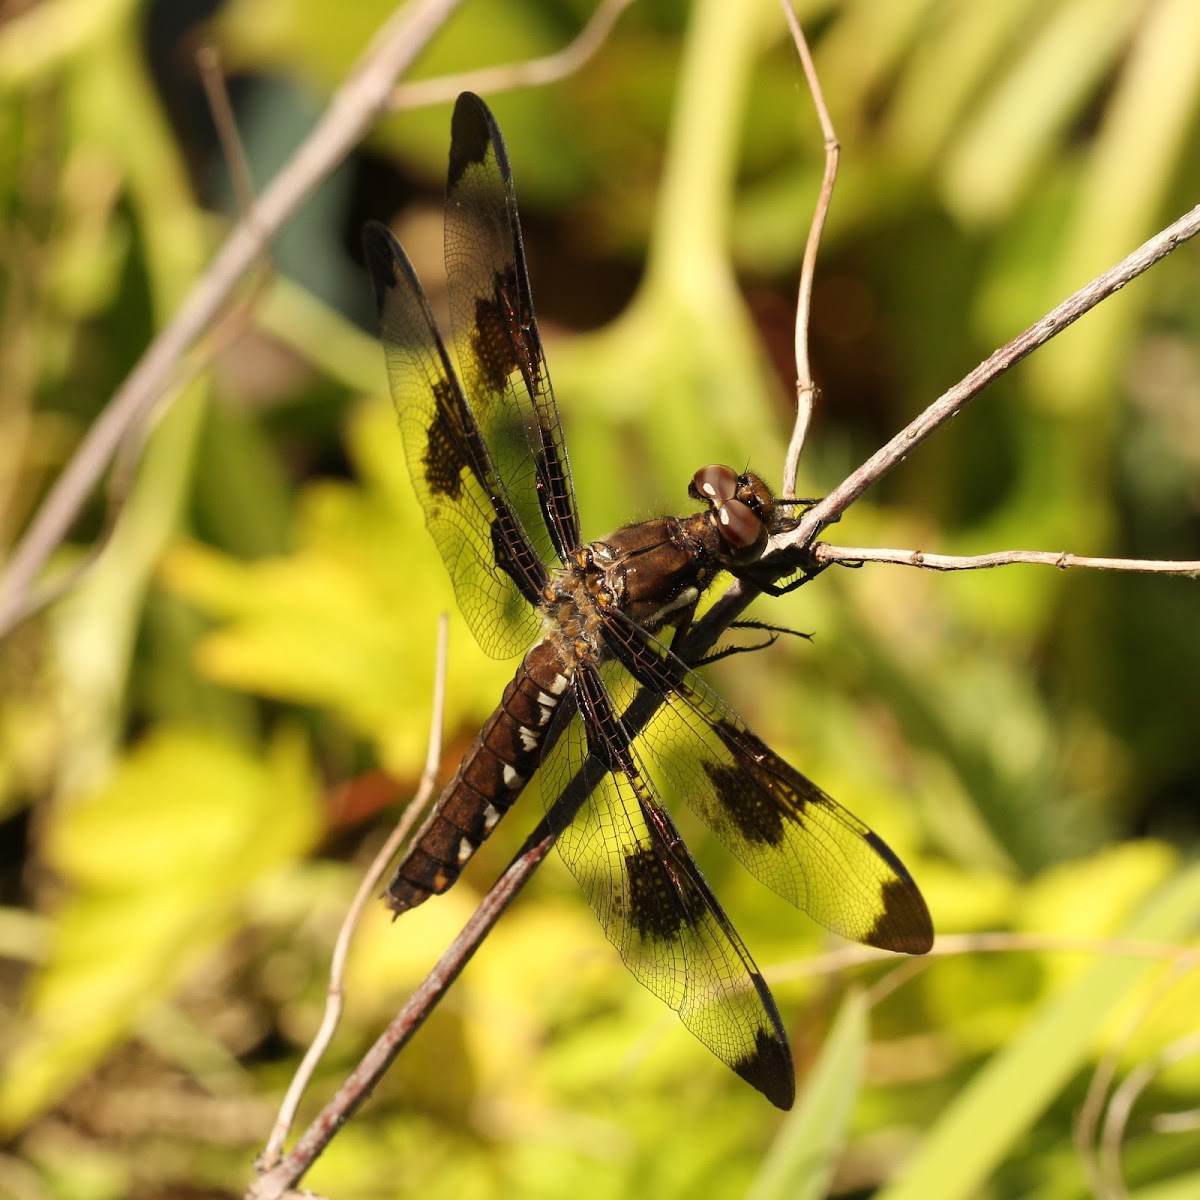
(486, 453)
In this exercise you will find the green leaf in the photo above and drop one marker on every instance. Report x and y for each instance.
(157, 863)
(802, 1160)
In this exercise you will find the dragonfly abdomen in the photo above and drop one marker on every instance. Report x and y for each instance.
(489, 779)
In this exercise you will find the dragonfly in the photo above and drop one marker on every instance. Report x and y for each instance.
(595, 623)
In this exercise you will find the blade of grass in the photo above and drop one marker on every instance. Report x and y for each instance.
(804, 1154)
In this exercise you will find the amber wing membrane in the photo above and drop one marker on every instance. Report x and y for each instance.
(496, 572)
(654, 904)
(782, 827)
(500, 354)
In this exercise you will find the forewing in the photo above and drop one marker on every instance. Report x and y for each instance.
(783, 828)
(654, 904)
(496, 572)
(495, 332)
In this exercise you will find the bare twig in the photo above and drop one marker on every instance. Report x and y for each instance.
(954, 945)
(851, 556)
(1121, 1106)
(950, 403)
(208, 60)
(350, 113)
(1087, 1135)
(367, 889)
(806, 390)
(235, 322)
(507, 77)
(1186, 1120)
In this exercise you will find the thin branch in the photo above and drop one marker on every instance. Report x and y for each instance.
(509, 76)
(367, 890)
(852, 556)
(1185, 1121)
(955, 945)
(208, 61)
(232, 324)
(351, 111)
(806, 390)
(950, 403)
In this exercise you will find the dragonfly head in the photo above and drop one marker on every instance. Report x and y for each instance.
(742, 509)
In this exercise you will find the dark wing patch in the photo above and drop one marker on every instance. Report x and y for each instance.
(782, 827)
(651, 898)
(654, 904)
(756, 818)
(444, 463)
(496, 338)
(452, 472)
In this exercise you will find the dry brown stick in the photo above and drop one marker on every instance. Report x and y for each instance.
(371, 1068)
(367, 889)
(806, 389)
(824, 553)
(352, 109)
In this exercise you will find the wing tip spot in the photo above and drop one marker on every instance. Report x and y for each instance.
(769, 1068)
(472, 130)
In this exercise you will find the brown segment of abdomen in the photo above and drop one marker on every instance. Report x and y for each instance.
(490, 777)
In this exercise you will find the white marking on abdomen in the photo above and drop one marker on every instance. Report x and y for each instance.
(529, 737)
(491, 815)
(546, 705)
(465, 850)
(512, 778)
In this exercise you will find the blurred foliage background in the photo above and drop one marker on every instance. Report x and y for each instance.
(204, 741)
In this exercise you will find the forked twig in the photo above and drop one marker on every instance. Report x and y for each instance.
(505, 78)
(951, 402)
(806, 389)
(367, 890)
